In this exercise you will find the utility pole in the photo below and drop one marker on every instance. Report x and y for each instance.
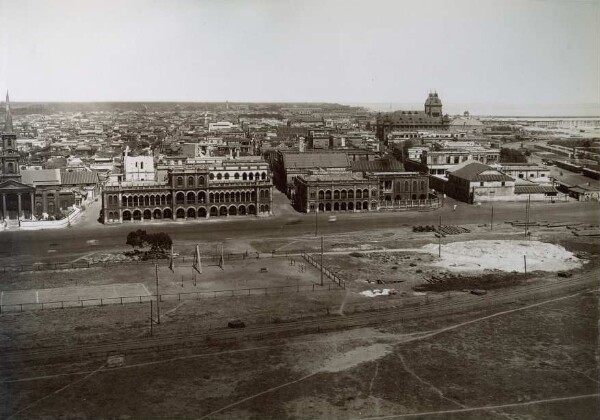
(151, 317)
(321, 261)
(492, 219)
(439, 245)
(157, 297)
(525, 262)
(317, 214)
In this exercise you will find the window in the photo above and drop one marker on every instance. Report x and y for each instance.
(219, 176)
(236, 176)
(503, 183)
(141, 165)
(179, 181)
(226, 176)
(387, 185)
(481, 184)
(190, 181)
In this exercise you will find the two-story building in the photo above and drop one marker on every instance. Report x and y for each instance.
(214, 189)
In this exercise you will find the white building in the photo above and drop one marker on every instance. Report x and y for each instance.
(138, 168)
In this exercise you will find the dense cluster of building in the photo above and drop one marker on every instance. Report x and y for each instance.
(167, 161)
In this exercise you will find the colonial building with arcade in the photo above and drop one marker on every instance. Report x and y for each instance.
(201, 189)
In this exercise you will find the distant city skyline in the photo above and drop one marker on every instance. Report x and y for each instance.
(487, 52)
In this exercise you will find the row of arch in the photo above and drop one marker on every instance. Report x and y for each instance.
(187, 198)
(200, 181)
(343, 206)
(343, 194)
(189, 213)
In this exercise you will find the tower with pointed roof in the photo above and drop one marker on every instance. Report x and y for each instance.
(9, 159)
(433, 105)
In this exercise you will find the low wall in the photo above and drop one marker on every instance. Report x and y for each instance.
(52, 224)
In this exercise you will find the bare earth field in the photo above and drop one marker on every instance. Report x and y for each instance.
(511, 361)
(524, 360)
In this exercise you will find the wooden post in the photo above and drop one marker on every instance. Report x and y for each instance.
(525, 262)
(492, 219)
(321, 261)
(157, 297)
(151, 317)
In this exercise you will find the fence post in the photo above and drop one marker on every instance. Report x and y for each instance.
(121, 301)
(21, 307)
(62, 304)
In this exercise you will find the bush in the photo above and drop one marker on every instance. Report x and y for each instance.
(356, 254)
(159, 242)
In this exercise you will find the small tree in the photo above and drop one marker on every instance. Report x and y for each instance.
(136, 238)
(159, 242)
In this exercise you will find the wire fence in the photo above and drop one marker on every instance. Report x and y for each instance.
(121, 300)
(330, 274)
(179, 260)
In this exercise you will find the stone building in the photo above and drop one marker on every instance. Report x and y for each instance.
(218, 189)
(357, 191)
(429, 119)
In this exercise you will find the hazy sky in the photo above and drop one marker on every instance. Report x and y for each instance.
(480, 51)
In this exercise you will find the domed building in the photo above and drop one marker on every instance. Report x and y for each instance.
(432, 118)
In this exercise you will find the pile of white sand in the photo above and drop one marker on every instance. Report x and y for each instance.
(376, 292)
(502, 255)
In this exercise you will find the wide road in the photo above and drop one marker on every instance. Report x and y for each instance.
(30, 246)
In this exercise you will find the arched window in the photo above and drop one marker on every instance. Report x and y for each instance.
(190, 181)
(405, 185)
(244, 176)
(263, 176)
(180, 181)
(321, 195)
(219, 176)
(250, 176)
(236, 176)
(226, 176)
(211, 176)
(200, 180)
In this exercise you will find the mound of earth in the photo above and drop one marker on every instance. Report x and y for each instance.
(505, 255)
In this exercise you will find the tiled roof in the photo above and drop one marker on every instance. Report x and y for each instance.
(474, 171)
(41, 177)
(534, 189)
(380, 165)
(78, 177)
(315, 160)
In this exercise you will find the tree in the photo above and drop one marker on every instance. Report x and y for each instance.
(159, 242)
(136, 238)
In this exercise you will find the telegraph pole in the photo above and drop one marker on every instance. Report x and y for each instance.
(151, 317)
(492, 219)
(157, 297)
(317, 214)
(321, 261)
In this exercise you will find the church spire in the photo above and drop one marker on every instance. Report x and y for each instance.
(8, 124)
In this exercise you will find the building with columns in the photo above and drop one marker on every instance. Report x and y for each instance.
(17, 197)
(225, 188)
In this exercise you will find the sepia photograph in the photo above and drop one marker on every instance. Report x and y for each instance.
(300, 209)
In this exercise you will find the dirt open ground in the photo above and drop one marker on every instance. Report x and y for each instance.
(512, 361)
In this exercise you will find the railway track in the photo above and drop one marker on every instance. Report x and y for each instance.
(354, 320)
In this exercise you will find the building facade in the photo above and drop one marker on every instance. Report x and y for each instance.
(219, 189)
(353, 192)
(431, 118)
